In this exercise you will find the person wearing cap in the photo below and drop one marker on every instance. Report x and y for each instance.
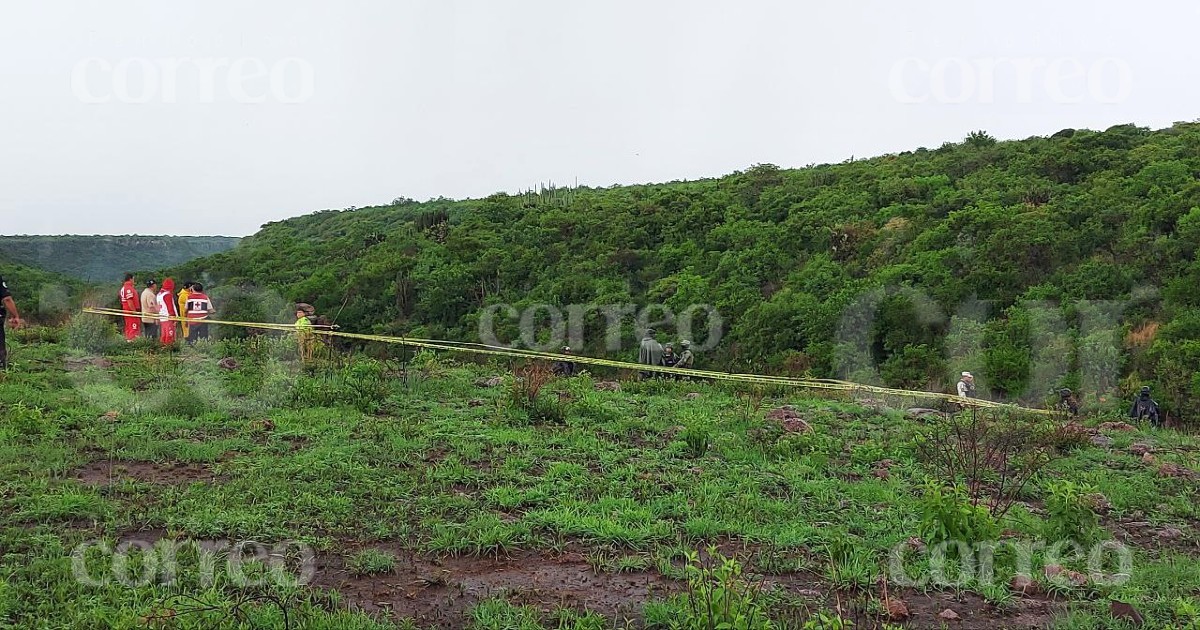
(966, 385)
(650, 352)
(1144, 407)
(183, 298)
(8, 314)
(1068, 402)
(686, 358)
(305, 339)
(150, 310)
(564, 367)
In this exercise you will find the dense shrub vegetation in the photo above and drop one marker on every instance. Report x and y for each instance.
(1040, 263)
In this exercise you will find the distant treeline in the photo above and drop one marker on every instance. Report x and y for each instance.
(103, 259)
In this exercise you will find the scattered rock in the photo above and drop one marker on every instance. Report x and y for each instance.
(1170, 533)
(795, 425)
(1121, 610)
(1175, 470)
(1052, 570)
(789, 419)
(1076, 578)
(1100, 503)
(1117, 426)
(915, 543)
(228, 363)
(897, 609)
(948, 615)
(111, 416)
(1023, 584)
(783, 413)
(1140, 449)
(495, 381)
(608, 386)
(692, 396)
(475, 402)
(883, 468)
(1103, 441)
(1148, 458)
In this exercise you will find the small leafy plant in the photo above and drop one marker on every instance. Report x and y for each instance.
(1071, 516)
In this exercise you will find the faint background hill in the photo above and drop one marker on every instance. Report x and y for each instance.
(103, 259)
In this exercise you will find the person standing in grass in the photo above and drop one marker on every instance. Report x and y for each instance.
(10, 315)
(183, 298)
(150, 310)
(686, 358)
(966, 385)
(1144, 408)
(305, 338)
(167, 310)
(199, 308)
(669, 357)
(650, 352)
(130, 304)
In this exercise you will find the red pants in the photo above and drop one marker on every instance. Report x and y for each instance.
(133, 328)
(167, 332)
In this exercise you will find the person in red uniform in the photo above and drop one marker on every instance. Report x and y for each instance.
(131, 304)
(199, 307)
(167, 308)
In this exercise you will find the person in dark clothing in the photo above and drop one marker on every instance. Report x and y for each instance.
(564, 368)
(650, 352)
(10, 315)
(1144, 407)
(669, 358)
(1068, 402)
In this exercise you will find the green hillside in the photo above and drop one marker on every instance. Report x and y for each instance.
(39, 294)
(99, 259)
(1055, 261)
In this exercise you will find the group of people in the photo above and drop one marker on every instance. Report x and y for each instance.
(152, 314)
(1144, 407)
(652, 352)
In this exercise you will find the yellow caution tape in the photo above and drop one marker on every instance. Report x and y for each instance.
(476, 348)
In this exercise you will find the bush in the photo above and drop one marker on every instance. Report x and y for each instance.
(1070, 512)
(697, 439)
(91, 333)
(948, 515)
(720, 596)
(360, 385)
(183, 403)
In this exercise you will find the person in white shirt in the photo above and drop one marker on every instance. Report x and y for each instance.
(966, 385)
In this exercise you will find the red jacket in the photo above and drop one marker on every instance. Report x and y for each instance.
(129, 298)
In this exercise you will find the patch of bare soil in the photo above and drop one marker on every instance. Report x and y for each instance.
(76, 365)
(439, 592)
(1143, 535)
(109, 472)
(971, 612)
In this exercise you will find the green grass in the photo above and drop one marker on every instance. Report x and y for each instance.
(343, 458)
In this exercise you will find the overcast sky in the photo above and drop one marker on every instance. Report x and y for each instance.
(215, 117)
